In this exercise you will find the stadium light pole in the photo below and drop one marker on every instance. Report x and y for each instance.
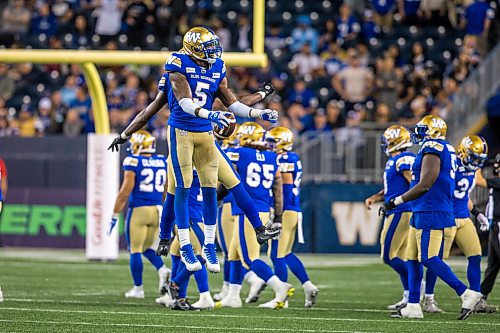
(88, 59)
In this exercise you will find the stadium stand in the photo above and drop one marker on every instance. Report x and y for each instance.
(335, 64)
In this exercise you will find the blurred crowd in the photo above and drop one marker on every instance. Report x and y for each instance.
(336, 64)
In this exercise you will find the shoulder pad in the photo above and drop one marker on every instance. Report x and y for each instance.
(130, 161)
(173, 60)
(429, 146)
(404, 162)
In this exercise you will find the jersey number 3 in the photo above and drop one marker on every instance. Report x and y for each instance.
(159, 177)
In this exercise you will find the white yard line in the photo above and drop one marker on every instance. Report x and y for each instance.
(205, 314)
(171, 326)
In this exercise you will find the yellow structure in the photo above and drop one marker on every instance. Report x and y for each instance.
(88, 60)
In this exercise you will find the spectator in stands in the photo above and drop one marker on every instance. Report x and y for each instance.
(348, 27)
(334, 114)
(409, 11)
(82, 105)
(304, 34)
(333, 58)
(275, 39)
(301, 94)
(477, 21)
(15, 22)
(130, 89)
(7, 85)
(109, 19)
(6, 129)
(369, 29)
(417, 59)
(73, 125)
(412, 114)
(81, 32)
(26, 122)
(307, 63)
(354, 82)
(382, 115)
(434, 11)
(45, 22)
(386, 83)
(244, 37)
(63, 10)
(384, 10)
(136, 17)
(165, 22)
(328, 34)
(48, 121)
(222, 32)
(68, 91)
(321, 122)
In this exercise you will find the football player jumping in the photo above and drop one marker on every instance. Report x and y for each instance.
(280, 140)
(194, 77)
(431, 194)
(143, 185)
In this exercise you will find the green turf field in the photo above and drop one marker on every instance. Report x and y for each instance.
(59, 291)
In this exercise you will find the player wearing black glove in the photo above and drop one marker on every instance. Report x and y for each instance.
(266, 89)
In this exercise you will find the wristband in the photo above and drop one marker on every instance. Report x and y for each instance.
(475, 211)
(398, 200)
(124, 136)
(262, 94)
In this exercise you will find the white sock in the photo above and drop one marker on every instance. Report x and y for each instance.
(139, 287)
(429, 296)
(209, 231)
(249, 276)
(205, 295)
(234, 290)
(162, 271)
(275, 283)
(184, 238)
(308, 285)
(406, 295)
(225, 285)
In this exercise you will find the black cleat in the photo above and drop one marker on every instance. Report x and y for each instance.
(182, 304)
(265, 233)
(172, 291)
(465, 313)
(163, 247)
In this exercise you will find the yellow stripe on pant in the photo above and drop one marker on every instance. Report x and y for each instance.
(244, 245)
(283, 245)
(465, 234)
(192, 149)
(195, 241)
(225, 228)
(143, 228)
(394, 236)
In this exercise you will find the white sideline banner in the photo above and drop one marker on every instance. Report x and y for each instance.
(102, 189)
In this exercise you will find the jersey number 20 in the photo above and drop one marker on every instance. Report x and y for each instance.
(159, 177)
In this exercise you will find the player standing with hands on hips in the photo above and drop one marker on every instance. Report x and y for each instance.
(194, 77)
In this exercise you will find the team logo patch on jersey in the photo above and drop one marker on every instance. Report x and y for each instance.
(216, 75)
(130, 161)
(190, 70)
(174, 61)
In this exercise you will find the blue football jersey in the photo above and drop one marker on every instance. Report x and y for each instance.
(440, 196)
(150, 178)
(204, 83)
(464, 183)
(195, 200)
(257, 170)
(290, 162)
(395, 183)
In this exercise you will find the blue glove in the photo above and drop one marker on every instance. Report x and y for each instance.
(270, 116)
(221, 118)
(112, 224)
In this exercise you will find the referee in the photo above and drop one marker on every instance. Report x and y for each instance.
(493, 214)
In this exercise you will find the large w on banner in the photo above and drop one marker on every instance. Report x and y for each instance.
(355, 223)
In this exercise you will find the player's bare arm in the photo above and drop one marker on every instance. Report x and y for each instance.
(377, 197)
(228, 98)
(278, 196)
(479, 179)
(125, 190)
(140, 120)
(430, 172)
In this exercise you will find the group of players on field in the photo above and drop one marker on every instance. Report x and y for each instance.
(196, 164)
(257, 177)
